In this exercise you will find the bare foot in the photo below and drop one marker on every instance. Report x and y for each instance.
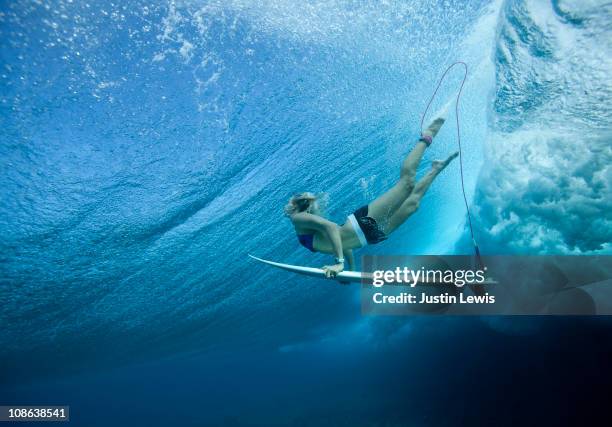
(439, 165)
(434, 127)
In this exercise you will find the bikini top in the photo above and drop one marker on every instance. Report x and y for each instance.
(307, 241)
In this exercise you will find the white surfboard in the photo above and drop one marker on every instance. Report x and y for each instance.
(345, 276)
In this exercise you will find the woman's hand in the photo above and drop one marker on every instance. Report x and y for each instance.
(333, 270)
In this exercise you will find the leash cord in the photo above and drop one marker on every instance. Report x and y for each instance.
(467, 207)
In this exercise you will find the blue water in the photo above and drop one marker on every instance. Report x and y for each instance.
(146, 149)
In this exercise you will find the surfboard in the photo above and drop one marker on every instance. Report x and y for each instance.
(345, 276)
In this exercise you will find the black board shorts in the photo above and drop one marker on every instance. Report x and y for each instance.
(369, 230)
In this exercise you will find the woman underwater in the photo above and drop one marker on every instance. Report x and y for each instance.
(371, 223)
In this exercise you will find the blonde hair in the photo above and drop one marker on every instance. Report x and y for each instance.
(299, 203)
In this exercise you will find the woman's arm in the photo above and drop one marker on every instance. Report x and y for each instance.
(348, 256)
(331, 229)
(333, 233)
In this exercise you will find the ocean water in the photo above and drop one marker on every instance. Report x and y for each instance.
(148, 147)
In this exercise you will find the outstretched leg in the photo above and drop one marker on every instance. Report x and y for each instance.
(410, 164)
(385, 206)
(411, 204)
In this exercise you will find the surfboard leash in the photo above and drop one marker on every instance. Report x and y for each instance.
(467, 207)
